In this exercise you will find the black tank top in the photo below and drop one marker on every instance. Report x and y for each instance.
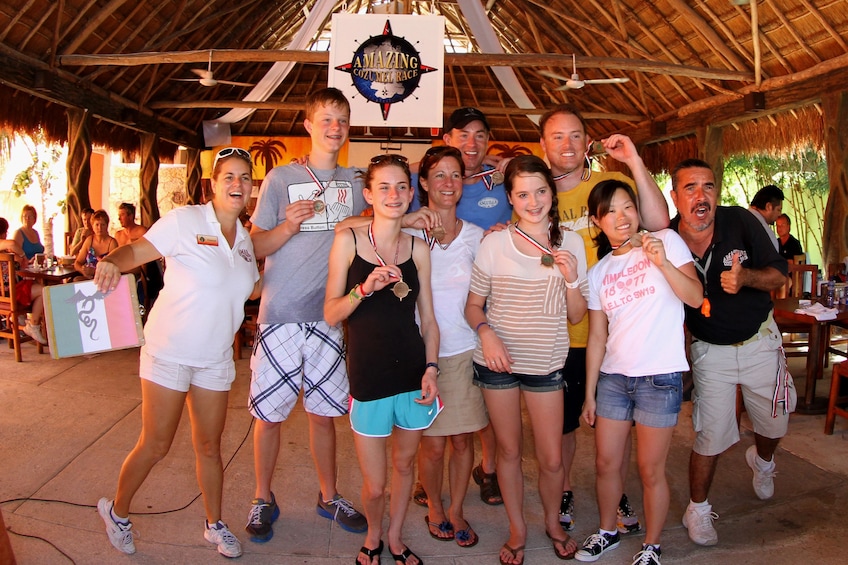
(385, 350)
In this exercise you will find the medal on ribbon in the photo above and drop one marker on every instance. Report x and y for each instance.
(400, 288)
(490, 177)
(547, 254)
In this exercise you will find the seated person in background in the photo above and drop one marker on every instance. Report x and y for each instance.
(130, 231)
(28, 291)
(96, 246)
(788, 245)
(26, 236)
(82, 232)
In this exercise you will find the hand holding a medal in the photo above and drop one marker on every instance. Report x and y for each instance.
(297, 213)
(381, 277)
(566, 262)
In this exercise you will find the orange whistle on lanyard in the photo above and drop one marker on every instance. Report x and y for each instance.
(705, 307)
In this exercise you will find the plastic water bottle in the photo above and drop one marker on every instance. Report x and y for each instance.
(831, 294)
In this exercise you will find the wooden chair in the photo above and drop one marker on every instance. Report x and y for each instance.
(248, 326)
(840, 372)
(11, 309)
(796, 334)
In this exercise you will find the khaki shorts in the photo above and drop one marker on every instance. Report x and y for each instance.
(718, 369)
(464, 410)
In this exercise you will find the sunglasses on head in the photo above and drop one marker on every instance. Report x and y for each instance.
(229, 152)
(389, 158)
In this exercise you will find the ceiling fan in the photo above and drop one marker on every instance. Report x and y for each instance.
(206, 78)
(576, 82)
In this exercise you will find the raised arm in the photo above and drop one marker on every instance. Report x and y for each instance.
(653, 207)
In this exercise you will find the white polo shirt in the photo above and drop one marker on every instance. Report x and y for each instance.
(206, 283)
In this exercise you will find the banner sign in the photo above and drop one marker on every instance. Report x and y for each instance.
(82, 320)
(390, 67)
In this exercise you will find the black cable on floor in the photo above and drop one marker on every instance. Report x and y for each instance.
(79, 505)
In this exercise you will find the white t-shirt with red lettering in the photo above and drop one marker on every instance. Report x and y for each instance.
(645, 316)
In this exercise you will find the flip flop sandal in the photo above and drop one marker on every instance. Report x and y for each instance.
(402, 557)
(514, 551)
(445, 528)
(490, 492)
(565, 554)
(370, 553)
(467, 537)
(419, 495)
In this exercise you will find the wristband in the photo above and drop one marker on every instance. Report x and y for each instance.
(575, 284)
(480, 325)
(435, 366)
(362, 292)
(353, 294)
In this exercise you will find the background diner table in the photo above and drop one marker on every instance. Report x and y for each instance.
(784, 308)
(57, 274)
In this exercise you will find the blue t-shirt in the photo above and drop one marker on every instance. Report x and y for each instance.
(478, 204)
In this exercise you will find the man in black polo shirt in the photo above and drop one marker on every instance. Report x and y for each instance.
(735, 339)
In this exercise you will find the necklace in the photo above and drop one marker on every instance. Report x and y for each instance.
(400, 288)
(547, 254)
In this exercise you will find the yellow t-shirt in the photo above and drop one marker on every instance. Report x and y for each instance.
(574, 216)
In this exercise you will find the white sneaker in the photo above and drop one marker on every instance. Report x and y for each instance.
(35, 333)
(763, 480)
(219, 534)
(120, 535)
(699, 522)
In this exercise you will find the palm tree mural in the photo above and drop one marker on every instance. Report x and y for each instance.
(505, 150)
(268, 152)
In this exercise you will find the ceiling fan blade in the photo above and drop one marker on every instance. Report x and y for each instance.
(617, 80)
(235, 83)
(185, 79)
(203, 73)
(554, 76)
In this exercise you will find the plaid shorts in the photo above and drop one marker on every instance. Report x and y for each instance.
(289, 357)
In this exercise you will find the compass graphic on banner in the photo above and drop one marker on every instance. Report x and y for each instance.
(386, 69)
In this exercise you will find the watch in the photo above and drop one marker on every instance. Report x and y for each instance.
(436, 366)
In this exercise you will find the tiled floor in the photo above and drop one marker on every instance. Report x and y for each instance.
(66, 425)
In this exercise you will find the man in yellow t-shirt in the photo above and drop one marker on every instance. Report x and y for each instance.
(564, 141)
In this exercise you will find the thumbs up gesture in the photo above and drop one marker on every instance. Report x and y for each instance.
(734, 279)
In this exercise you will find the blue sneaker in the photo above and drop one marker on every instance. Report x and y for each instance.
(262, 515)
(343, 513)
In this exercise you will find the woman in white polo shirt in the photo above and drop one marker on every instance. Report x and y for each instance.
(188, 354)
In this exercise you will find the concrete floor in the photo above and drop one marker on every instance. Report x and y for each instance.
(66, 426)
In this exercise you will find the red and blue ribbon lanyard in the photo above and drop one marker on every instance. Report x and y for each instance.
(587, 166)
(320, 191)
(400, 288)
(547, 254)
(491, 177)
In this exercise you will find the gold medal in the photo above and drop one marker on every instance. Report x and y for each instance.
(318, 206)
(548, 260)
(497, 177)
(437, 232)
(401, 289)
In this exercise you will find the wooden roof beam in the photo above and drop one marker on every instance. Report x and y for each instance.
(702, 28)
(457, 59)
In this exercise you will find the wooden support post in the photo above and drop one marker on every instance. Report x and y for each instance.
(78, 165)
(711, 150)
(835, 231)
(194, 172)
(149, 177)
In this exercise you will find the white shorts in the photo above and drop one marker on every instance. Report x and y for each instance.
(289, 357)
(218, 377)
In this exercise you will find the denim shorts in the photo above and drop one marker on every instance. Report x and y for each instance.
(485, 378)
(652, 401)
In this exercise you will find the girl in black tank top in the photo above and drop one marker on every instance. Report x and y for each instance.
(377, 278)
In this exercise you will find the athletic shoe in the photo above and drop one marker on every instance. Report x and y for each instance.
(763, 480)
(35, 333)
(699, 522)
(220, 535)
(595, 545)
(627, 522)
(120, 535)
(343, 513)
(262, 515)
(650, 555)
(566, 511)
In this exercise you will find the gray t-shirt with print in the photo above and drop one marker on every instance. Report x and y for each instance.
(296, 274)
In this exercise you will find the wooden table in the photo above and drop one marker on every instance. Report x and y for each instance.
(54, 275)
(784, 308)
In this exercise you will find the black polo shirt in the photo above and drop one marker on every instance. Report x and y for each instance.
(733, 317)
